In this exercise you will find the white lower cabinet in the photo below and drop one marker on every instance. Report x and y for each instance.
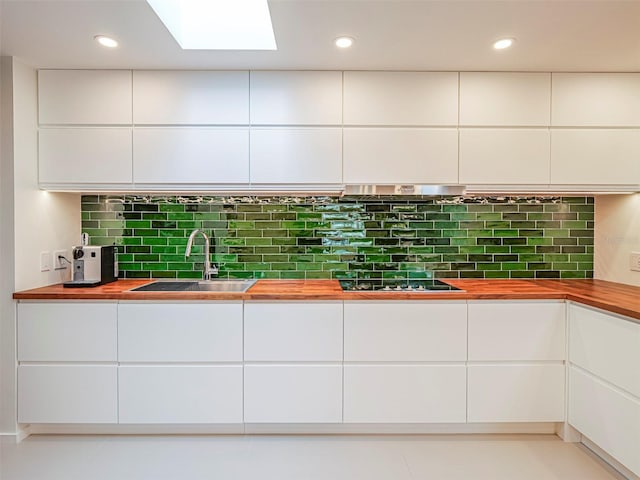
(607, 416)
(180, 332)
(180, 394)
(293, 393)
(604, 382)
(67, 394)
(404, 393)
(516, 393)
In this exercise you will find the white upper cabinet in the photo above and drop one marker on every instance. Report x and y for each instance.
(190, 98)
(296, 98)
(191, 155)
(84, 155)
(595, 99)
(504, 156)
(595, 156)
(505, 99)
(84, 97)
(300, 155)
(401, 98)
(400, 155)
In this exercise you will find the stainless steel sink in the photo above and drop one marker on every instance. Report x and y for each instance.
(219, 285)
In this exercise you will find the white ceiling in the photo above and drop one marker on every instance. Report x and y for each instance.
(553, 35)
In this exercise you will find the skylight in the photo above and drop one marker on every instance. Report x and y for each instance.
(217, 24)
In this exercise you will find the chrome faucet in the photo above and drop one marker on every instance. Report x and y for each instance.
(210, 271)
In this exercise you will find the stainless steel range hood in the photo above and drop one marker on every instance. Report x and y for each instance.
(404, 190)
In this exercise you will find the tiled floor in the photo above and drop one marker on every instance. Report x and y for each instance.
(535, 457)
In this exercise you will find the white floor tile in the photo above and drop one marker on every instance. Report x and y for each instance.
(419, 457)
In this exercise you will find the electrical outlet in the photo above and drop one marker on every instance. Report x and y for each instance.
(45, 261)
(634, 261)
(59, 263)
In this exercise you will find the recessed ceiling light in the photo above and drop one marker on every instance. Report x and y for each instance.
(344, 42)
(503, 43)
(106, 41)
(217, 24)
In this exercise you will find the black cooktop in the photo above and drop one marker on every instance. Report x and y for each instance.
(392, 285)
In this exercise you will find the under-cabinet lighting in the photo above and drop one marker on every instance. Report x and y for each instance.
(217, 24)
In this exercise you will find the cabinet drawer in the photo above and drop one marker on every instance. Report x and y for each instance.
(191, 155)
(516, 393)
(84, 155)
(606, 416)
(67, 394)
(300, 155)
(606, 346)
(293, 394)
(404, 394)
(405, 331)
(67, 332)
(290, 332)
(180, 332)
(180, 394)
(516, 331)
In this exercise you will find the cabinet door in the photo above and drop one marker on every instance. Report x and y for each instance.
(401, 98)
(516, 393)
(190, 98)
(505, 99)
(296, 98)
(516, 331)
(504, 156)
(180, 394)
(291, 332)
(605, 157)
(84, 155)
(293, 394)
(67, 394)
(405, 331)
(180, 332)
(607, 416)
(296, 155)
(67, 332)
(404, 393)
(606, 346)
(83, 97)
(191, 155)
(400, 155)
(595, 99)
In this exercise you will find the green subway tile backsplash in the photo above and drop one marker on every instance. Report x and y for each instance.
(357, 237)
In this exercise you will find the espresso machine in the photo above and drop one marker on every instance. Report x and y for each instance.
(93, 266)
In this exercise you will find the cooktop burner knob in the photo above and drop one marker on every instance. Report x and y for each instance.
(387, 287)
(420, 287)
(398, 287)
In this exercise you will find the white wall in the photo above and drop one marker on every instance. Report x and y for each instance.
(31, 220)
(617, 234)
(43, 221)
(7, 309)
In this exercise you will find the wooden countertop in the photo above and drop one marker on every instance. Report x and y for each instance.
(613, 297)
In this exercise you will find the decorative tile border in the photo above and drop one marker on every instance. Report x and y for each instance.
(350, 237)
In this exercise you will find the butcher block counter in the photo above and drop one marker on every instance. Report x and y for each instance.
(610, 296)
